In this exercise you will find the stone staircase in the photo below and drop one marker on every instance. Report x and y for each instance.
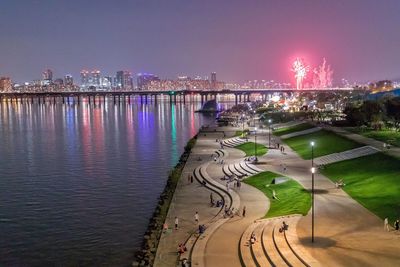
(196, 243)
(234, 141)
(304, 132)
(240, 169)
(273, 248)
(346, 155)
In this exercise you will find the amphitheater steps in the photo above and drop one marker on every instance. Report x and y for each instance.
(346, 155)
(246, 256)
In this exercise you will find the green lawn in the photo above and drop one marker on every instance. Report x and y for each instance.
(242, 133)
(387, 136)
(248, 148)
(292, 129)
(293, 199)
(326, 143)
(374, 181)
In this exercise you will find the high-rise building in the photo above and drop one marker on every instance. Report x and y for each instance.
(213, 80)
(68, 80)
(119, 79)
(96, 77)
(143, 79)
(84, 78)
(127, 80)
(59, 81)
(47, 75)
(5, 84)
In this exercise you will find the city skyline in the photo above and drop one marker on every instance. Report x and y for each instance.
(258, 40)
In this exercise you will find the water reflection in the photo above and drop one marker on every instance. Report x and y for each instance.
(78, 182)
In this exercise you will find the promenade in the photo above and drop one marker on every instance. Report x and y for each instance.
(346, 233)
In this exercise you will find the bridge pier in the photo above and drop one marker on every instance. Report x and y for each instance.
(145, 99)
(184, 98)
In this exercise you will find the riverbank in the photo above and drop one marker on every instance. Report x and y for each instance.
(146, 255)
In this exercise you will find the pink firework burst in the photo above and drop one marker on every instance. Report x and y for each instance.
(300, 70)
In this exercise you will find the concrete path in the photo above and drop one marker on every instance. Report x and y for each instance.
(188, 199)
(222, 247)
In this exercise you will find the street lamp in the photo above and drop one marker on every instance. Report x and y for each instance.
(269, 133)
(255, 143)
(243, 125)
(312, 204)
(312, 153)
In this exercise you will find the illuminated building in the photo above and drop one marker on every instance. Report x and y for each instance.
(213, 80)
(5, 84)
(95, 78)
(68, 80)
(84, 78)
(144, 79)
(47, 75)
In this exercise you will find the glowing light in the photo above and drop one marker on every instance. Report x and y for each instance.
(300, 70)
(323, 76)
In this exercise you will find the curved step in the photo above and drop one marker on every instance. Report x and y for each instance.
(293, 242)
(269, 245)
(248, 170)
(240, 170)
(257, 249)
(282, 246)
(252, 167)
(246, 257)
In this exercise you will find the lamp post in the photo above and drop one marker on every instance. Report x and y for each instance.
(312, 204)
(255, 143)
(312, 153)
(312, 191)
(243, 125)
(269, 133)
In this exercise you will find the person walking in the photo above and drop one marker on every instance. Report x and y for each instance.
(196, 217)
(211, 199)
(386, 224)
(191, 179)
(397, 225)
(244, 211)
(176, 223)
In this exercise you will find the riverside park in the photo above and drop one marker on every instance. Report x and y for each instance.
(332, 187)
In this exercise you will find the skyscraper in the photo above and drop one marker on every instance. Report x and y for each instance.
(213, 80)
(68, 80)
(95, 77)
(84, 78)
(47, 75)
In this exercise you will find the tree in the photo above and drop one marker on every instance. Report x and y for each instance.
(393, 111)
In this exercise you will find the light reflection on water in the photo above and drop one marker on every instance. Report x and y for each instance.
(78, 183)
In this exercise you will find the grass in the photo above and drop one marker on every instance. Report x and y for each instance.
(326, 143)
(292, 129)
(293, 198)
(248, 148)
(373, 181)
(242, 133)
(388, 136)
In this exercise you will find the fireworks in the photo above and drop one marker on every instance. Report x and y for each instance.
(300, 70)
(323, 76)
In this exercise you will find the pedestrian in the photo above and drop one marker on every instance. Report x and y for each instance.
(278, 144)
(244, 211)
(386, 224)
(191, 179)
(397, 225)
(211, 198)
(196, 217)
(283, 149)
(176, 223)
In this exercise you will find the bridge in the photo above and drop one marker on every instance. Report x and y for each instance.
(145, 94)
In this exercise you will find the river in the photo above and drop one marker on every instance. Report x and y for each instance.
(79, 182)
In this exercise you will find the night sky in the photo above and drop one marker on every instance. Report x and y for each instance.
(239, 40)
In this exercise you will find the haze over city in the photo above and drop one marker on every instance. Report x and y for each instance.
(240, 41)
